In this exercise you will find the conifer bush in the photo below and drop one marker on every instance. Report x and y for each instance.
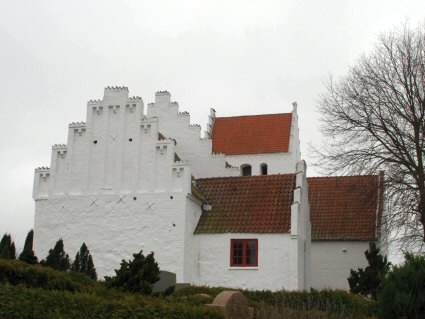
(367, 282)
(7, 247)
(57, 258)
(83, 263)
(403, 292)
(137, 275)
(27, 254)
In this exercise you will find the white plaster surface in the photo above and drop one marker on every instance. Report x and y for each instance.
(111, 187)
(114, 227)
(330, 264)
(277, 163)
(189, 144)
(301, 229)
(275, 269)
(193, 213)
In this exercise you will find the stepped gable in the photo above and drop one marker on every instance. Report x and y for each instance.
(254, 134)
(247, 204)
(344, 207)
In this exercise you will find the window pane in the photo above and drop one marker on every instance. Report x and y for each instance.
(237, 253)
(251, 252)
(237, 260)
(237, 247)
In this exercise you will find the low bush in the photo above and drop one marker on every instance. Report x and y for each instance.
(22, 302)
(33, 291)
(296, 304)
(16, 272)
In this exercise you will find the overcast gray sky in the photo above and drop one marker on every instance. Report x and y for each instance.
(240, 57)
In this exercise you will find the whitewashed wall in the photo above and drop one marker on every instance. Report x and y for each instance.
(193, 213)
(189, 146)
(331, 262)
(120, 194)
(277, 163)
(276, 264)
(300, 228)
(114, 227)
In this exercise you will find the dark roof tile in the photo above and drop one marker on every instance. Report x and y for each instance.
(247, 204)
(344, 208)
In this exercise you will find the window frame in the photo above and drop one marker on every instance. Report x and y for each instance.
(244, 249)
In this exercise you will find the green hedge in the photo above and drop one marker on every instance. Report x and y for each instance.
(16, 272)
(335, 303)
(22, 302)
(33, 291)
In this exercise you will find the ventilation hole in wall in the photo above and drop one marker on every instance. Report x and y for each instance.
(130, 140)
(246, 170)
(263, 169)
(134, 198)
(174, 225)
(171, 197)
(95, 142)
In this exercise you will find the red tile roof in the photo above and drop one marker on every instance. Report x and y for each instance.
(344, 208)
(247, 204)
(341, 208)
(256, 134)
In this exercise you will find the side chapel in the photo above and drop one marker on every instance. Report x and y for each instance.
(234, 208)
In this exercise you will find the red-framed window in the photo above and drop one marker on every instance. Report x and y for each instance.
(244, 252)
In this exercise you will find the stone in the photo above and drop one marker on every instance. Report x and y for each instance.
(233, 304)
(166, 280)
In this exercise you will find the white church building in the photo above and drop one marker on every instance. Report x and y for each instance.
(234, 208)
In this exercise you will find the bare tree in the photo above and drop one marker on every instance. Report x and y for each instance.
(373, 120)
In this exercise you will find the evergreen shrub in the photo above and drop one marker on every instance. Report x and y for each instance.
(136, 275)
(83, 263)
(7, 247)
(403, 291)
(27, 254)
(368, 281)
(57, 258)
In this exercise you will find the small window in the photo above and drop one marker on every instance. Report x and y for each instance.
(246, 170)
(244, 253)
(95, 142)
(130, 140)
(263, 168)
